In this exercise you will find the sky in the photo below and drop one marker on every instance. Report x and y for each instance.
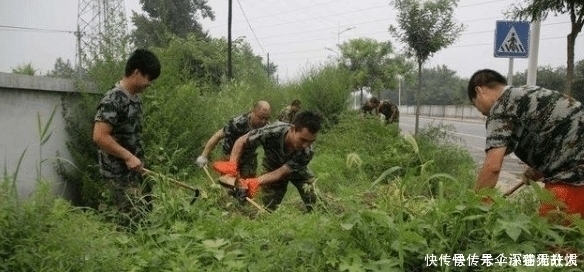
(298, 35)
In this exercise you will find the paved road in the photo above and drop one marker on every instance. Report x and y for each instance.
(472, 136)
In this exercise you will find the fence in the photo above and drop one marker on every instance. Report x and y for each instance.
(445, 111)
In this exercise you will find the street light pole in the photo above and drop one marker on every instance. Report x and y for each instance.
(332, 50)
(399, 78)
(343, 31)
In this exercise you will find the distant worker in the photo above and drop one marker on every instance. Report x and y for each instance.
(288, 113)
(235, 128)
(389, 110)
(370, 106)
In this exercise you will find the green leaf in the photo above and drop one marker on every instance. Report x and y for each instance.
(385, 174)
(347, 226)
(412, 141)
(353, 159)
(214, 243)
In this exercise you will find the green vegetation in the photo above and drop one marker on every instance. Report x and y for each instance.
(386, 201)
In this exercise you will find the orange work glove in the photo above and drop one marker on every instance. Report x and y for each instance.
(252, 185)
(226, 168)
(487, 200)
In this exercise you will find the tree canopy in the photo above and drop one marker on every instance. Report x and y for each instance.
(371, 63)
(177, 17)
(25, 69)
(62, 69)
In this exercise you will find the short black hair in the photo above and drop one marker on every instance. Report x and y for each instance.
(484, 77)
(145, 61)
(308, 119)
(374, 100)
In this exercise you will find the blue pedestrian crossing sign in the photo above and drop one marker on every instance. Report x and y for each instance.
(512, 39)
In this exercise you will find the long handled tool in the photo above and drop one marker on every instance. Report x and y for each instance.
(524, 181)
(197, 191)
(255, 204)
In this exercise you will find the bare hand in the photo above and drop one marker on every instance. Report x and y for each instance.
(532, 174)
(134, 164)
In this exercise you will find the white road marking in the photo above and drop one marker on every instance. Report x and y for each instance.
(470, 135)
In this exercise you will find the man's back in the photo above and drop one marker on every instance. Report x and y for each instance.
(389, 110)
(543, 128)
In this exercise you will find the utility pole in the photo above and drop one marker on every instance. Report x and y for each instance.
(229, 61)
(268, 65)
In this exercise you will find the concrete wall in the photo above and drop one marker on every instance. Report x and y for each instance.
(445, 111)
(22, 99)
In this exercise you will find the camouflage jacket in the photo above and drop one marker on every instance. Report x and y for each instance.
(235, 128)
(124, 113)
(388, 109)
(286, 115)
(365, 108)
(543, 128)
(271, 138)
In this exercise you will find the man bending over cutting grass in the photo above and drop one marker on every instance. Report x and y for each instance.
(287, 153)
(544, 129)
(236, 127)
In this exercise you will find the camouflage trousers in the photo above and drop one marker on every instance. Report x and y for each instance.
(273, 194)
(126, 202)
(248, 168)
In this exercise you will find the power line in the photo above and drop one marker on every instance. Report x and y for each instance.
(251, 28)
(34, 29)
(342, 13)
(279, 13)
(482, 3)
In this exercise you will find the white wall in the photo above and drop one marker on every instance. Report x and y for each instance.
(22, 98)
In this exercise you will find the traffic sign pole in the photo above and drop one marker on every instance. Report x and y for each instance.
(510, 72)
(534, 45)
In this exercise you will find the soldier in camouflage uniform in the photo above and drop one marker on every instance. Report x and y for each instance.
(288, 113)
(541, 127)
(370, 106)
(235, 128)
(117, 132)
(287, 153)
(389, 110)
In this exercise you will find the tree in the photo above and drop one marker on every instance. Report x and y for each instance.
(62, 69)
(547, 77)
(538, 10)
(442, 86)
(25, 69)
(371, 63)
(425, 27)
(578, 85)
(178, 17)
